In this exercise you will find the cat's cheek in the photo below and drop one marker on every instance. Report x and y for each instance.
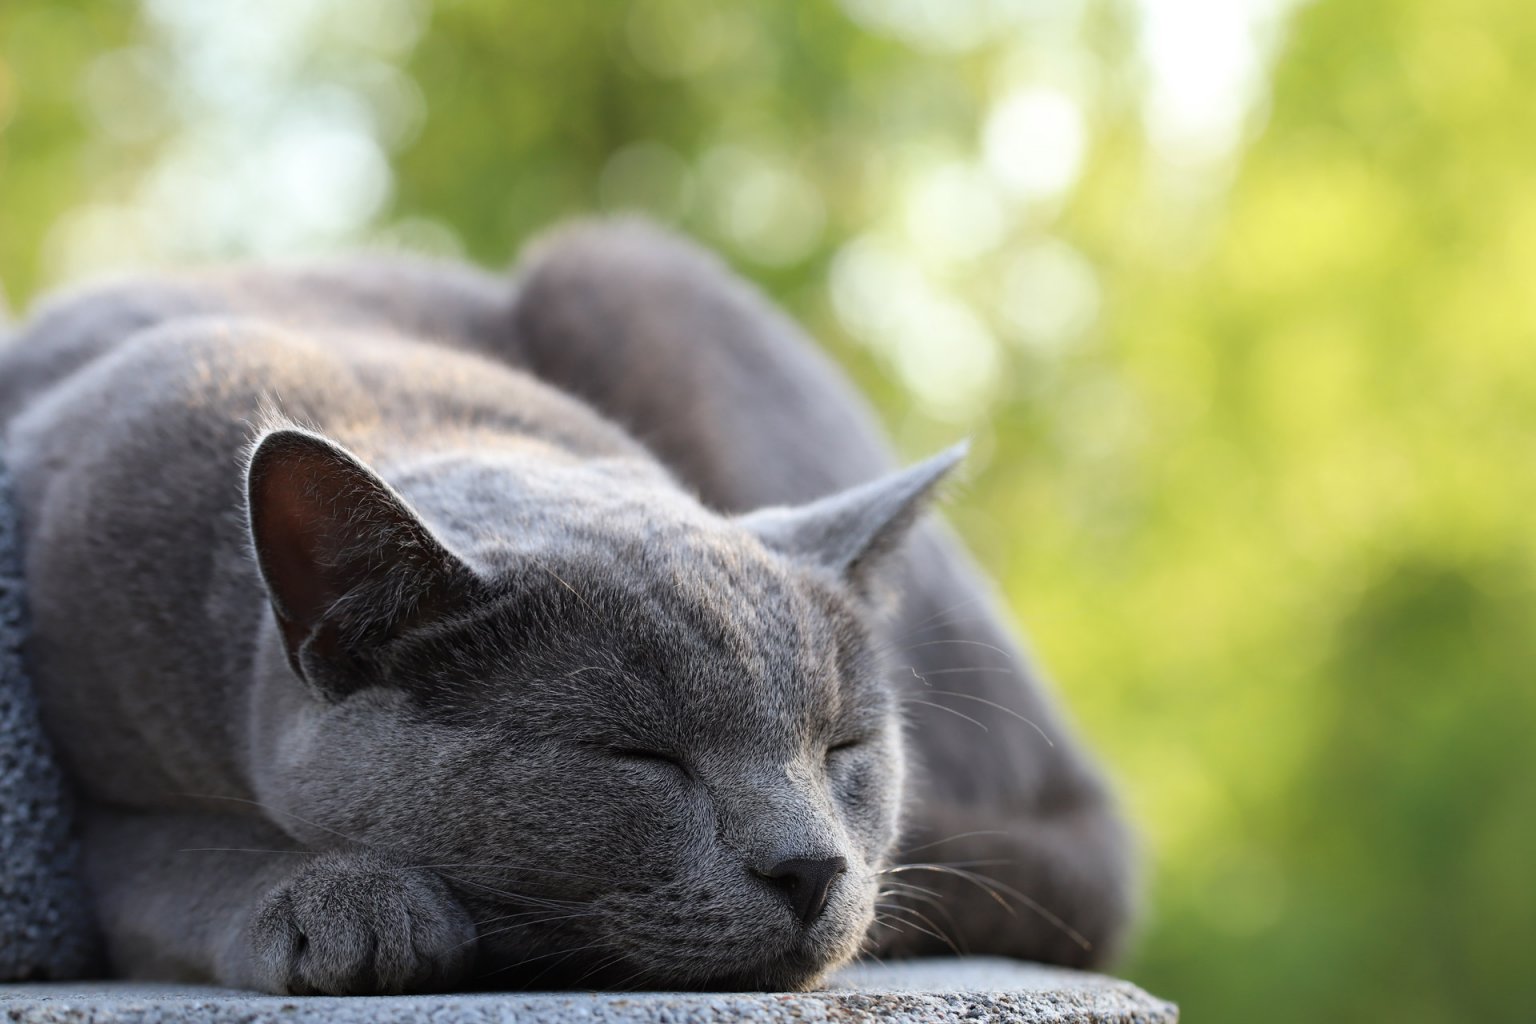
(867, 802)
(854, 781)
(648, 809)
(660, 787)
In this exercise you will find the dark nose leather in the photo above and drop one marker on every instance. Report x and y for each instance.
(804, 883)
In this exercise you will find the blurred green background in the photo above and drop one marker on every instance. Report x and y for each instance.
(1238, 298)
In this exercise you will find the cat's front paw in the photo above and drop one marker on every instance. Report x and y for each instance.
(354, 924)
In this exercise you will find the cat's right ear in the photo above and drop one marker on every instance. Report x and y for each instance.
(347, 564)
(854, 532)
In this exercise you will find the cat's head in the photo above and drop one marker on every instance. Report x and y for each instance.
(645, 743)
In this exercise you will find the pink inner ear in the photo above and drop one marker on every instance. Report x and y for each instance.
(293, 525)
(326, 529)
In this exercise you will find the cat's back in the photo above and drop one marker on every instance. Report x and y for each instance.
(417, 298)
(139, 388)
(129, 471)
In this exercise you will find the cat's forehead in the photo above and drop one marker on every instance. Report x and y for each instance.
(668, 567)
(718, 607)
(695, 625)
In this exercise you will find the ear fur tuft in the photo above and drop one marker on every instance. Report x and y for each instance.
(854, 531)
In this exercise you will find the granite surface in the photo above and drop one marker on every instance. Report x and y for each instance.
(973, 990)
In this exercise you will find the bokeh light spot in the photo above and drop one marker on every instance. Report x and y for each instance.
(1034, 141)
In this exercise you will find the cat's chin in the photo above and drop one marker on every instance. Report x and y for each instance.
(786, 974)
(774, 957)
(792, 971)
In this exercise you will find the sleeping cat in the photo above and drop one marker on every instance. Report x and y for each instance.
(405, 628)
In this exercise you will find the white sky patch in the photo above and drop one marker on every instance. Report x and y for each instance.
(1206, 63)
(263, 156)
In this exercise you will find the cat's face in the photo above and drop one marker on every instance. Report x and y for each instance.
(616, 769)
(663, 756)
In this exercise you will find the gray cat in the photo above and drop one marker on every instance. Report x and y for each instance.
(406, 628)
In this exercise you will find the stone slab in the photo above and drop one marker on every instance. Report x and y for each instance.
(974, 990)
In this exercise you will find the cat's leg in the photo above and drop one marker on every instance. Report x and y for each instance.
(195, 897)
(728, 392)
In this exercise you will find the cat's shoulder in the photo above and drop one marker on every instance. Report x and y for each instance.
(401, 294)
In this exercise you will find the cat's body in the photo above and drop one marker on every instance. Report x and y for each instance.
(542, 714)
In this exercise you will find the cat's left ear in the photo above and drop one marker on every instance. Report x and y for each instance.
(347, 563)
(853, 531)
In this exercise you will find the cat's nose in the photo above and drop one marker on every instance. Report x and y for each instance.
(804, 882)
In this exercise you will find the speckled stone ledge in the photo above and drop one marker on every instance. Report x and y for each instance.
(974, 990)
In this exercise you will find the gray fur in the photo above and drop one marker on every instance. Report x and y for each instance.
(45, 927)
(496, 656)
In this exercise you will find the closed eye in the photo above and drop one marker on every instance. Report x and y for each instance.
(641, 754)
(846, 746)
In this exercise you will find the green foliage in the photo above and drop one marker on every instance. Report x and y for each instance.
(44, 135)
(1262, 490)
